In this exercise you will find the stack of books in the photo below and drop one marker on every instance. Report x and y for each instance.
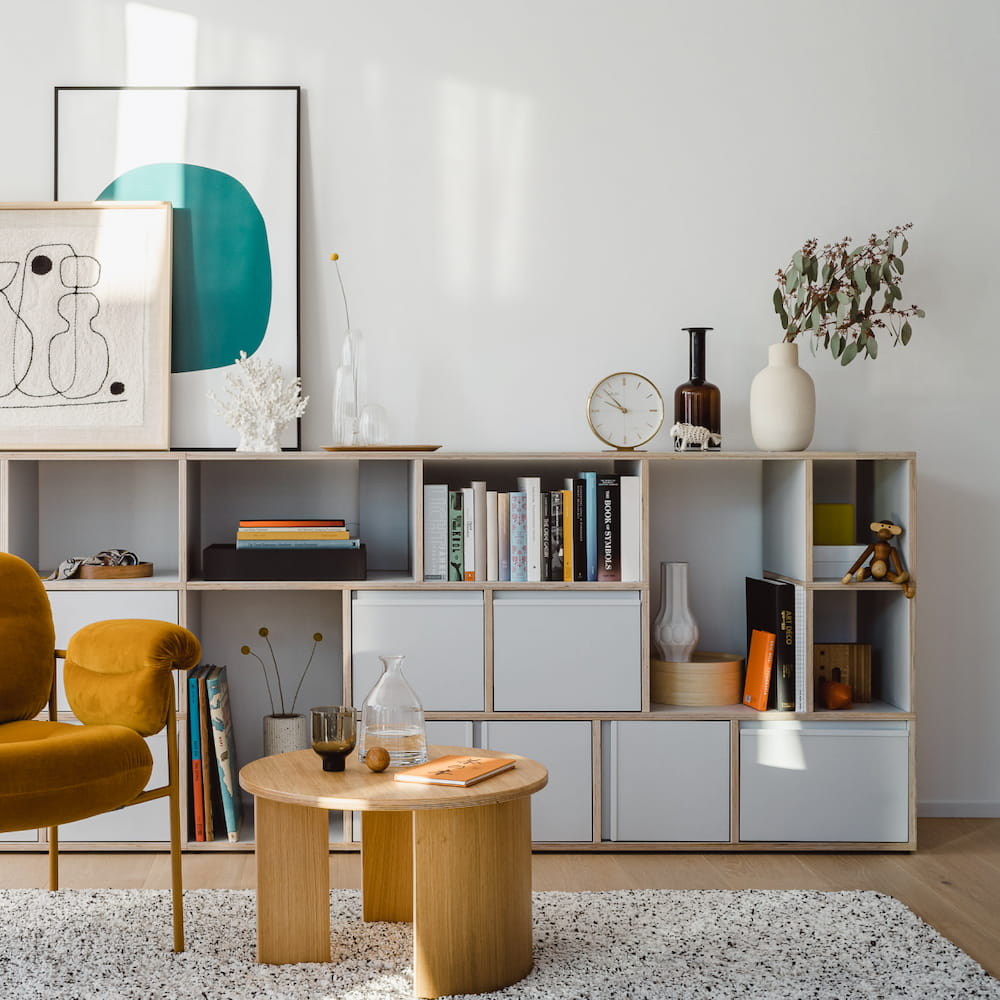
(588, 529)
(295, 533)
(213, 790)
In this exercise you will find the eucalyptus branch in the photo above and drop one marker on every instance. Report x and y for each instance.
(831, 295)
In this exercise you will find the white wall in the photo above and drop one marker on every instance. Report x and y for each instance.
(528, 195)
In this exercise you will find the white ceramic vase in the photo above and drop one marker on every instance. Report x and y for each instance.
(782, 402)
(284, 733)
(675, 632)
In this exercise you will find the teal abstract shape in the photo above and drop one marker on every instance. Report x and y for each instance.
(222, 262)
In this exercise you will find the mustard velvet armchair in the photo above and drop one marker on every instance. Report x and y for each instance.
(118, 680)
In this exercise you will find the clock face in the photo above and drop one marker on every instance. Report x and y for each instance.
(625, 410)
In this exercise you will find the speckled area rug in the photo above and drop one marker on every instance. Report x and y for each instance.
(639, 945)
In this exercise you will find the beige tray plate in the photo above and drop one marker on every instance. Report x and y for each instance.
(381, 447)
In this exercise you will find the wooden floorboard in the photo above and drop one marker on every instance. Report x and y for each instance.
(952, 881)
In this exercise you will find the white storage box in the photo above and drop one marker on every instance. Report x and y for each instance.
(666, 781)
(439, 632)
(818, 781)
(566, 652)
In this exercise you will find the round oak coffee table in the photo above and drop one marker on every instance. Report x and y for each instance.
(455, 861)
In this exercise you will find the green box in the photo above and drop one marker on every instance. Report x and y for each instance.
(833, 524)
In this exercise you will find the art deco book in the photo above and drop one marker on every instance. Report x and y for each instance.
(462, 770)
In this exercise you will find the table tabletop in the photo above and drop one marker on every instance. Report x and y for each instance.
(298, 778)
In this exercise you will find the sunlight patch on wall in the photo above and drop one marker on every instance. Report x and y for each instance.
(483, 147)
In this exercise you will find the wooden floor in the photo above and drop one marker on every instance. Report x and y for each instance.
(952, 881)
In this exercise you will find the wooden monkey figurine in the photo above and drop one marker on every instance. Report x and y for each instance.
(883, 556)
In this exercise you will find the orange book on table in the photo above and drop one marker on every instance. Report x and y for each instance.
(759, 662)
(463, 770)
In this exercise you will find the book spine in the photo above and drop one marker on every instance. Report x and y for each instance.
(760, 662)
(301, 543)
(545, 512)
(503, 536)
(206, 744)
(479, 518)
(556, 554)
(579, 530)
(335, 522)
(631, 527)
(225, 750)
(469, 532)
(194, 742)
(590, 516)
(291, 534)
(784, 652)
(567, 532)
(531, 486)
(492, 536)
(609, 561)
(456, 536)
(518, 537)
(435, 531)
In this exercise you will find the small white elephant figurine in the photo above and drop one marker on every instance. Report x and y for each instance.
(686, 436)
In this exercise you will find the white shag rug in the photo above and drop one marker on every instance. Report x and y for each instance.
(637, 945)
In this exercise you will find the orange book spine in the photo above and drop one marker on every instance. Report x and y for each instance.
(759, 661)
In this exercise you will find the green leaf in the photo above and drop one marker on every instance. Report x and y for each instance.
(827, 271)
(813, 269)
(783, 316)
(849, 354)
(904, 247)
(897, 263)
(860, 281)
(776, 298)
(836, 345)
(797, 262)
(887, 270)
(872, 275)
(792, 281)
(920, 313)
(905, 334)
(872, 346)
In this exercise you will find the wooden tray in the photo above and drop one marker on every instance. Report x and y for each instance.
(115, 572)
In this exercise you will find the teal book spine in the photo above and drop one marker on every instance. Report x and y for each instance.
(225, 749)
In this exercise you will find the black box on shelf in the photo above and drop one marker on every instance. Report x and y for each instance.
(226, 562)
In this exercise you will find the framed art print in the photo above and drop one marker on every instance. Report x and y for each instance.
(227, 159)
(85, 325)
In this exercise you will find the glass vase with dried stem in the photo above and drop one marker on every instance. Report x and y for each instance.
(356, 422)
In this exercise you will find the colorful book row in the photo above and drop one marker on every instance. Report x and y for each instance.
(589, 530)
(214, 795)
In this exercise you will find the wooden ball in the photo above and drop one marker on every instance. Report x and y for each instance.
(377, 758)
(837, 696)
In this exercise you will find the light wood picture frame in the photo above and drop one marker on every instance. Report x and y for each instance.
(85, 325)
(227, 158)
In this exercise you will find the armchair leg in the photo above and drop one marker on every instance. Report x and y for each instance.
(176, 875)
(53, 858)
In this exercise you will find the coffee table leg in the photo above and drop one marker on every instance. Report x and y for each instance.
(293, 883)
(472, 898)
(387, 866)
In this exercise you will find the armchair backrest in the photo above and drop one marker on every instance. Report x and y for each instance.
(27, 641)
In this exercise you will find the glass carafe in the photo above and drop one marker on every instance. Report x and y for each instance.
(393, 718)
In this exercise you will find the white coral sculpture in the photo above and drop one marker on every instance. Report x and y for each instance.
(262, 401)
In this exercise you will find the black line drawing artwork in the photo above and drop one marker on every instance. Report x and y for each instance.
(50, 349)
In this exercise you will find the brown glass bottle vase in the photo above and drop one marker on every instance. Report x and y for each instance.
(697, 403)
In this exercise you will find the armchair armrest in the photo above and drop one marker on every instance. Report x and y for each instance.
(119, 671)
